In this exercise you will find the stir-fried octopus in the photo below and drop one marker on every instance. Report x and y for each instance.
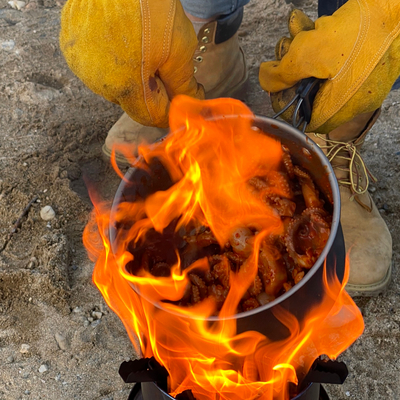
(282, 260)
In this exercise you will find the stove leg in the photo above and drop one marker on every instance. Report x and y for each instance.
(323, 395)
(136, 392)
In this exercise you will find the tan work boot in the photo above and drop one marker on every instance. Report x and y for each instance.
(366, 235)
(219, 65)
(219, 61)
(126, 131)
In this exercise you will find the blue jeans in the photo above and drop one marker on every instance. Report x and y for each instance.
(210, 8)
(328, 7)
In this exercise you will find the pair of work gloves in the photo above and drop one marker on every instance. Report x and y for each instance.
(138, 54)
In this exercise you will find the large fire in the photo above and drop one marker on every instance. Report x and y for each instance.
(210, 157)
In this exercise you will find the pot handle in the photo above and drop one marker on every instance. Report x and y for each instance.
(303, 101)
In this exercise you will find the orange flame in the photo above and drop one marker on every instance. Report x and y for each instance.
(210, 156)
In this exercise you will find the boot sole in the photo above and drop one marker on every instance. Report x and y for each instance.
(371, 290)
(122, 162)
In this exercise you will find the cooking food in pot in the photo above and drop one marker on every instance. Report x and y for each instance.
(282, 259)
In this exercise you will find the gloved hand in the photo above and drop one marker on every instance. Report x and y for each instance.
(356, 50)
(136, 53)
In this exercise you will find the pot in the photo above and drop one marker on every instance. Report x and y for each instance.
(309, 291)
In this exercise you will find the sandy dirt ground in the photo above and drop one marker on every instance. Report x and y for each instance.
(58, 339)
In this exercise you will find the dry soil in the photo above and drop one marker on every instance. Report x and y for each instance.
(51, 131)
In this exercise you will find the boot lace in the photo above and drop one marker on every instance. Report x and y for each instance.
(359, 176)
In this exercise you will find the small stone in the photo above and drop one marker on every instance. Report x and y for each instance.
(24, 348)
(102, 308)
(25, 164)
(97, 314)
(47, 213)
(95, 323)
(77, 310)
(61, 341)
(17, 4)
(90, 319)
(32, 5)
(85, 323)
(8, 45)
(33, 262)
(27, 392)
(10, 359)
(43, 368)
(348, 394)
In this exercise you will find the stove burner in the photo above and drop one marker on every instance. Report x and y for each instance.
(136, 394)
(151, 380)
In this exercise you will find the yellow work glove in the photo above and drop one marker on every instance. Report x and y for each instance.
(135, 53)
(356, 51)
